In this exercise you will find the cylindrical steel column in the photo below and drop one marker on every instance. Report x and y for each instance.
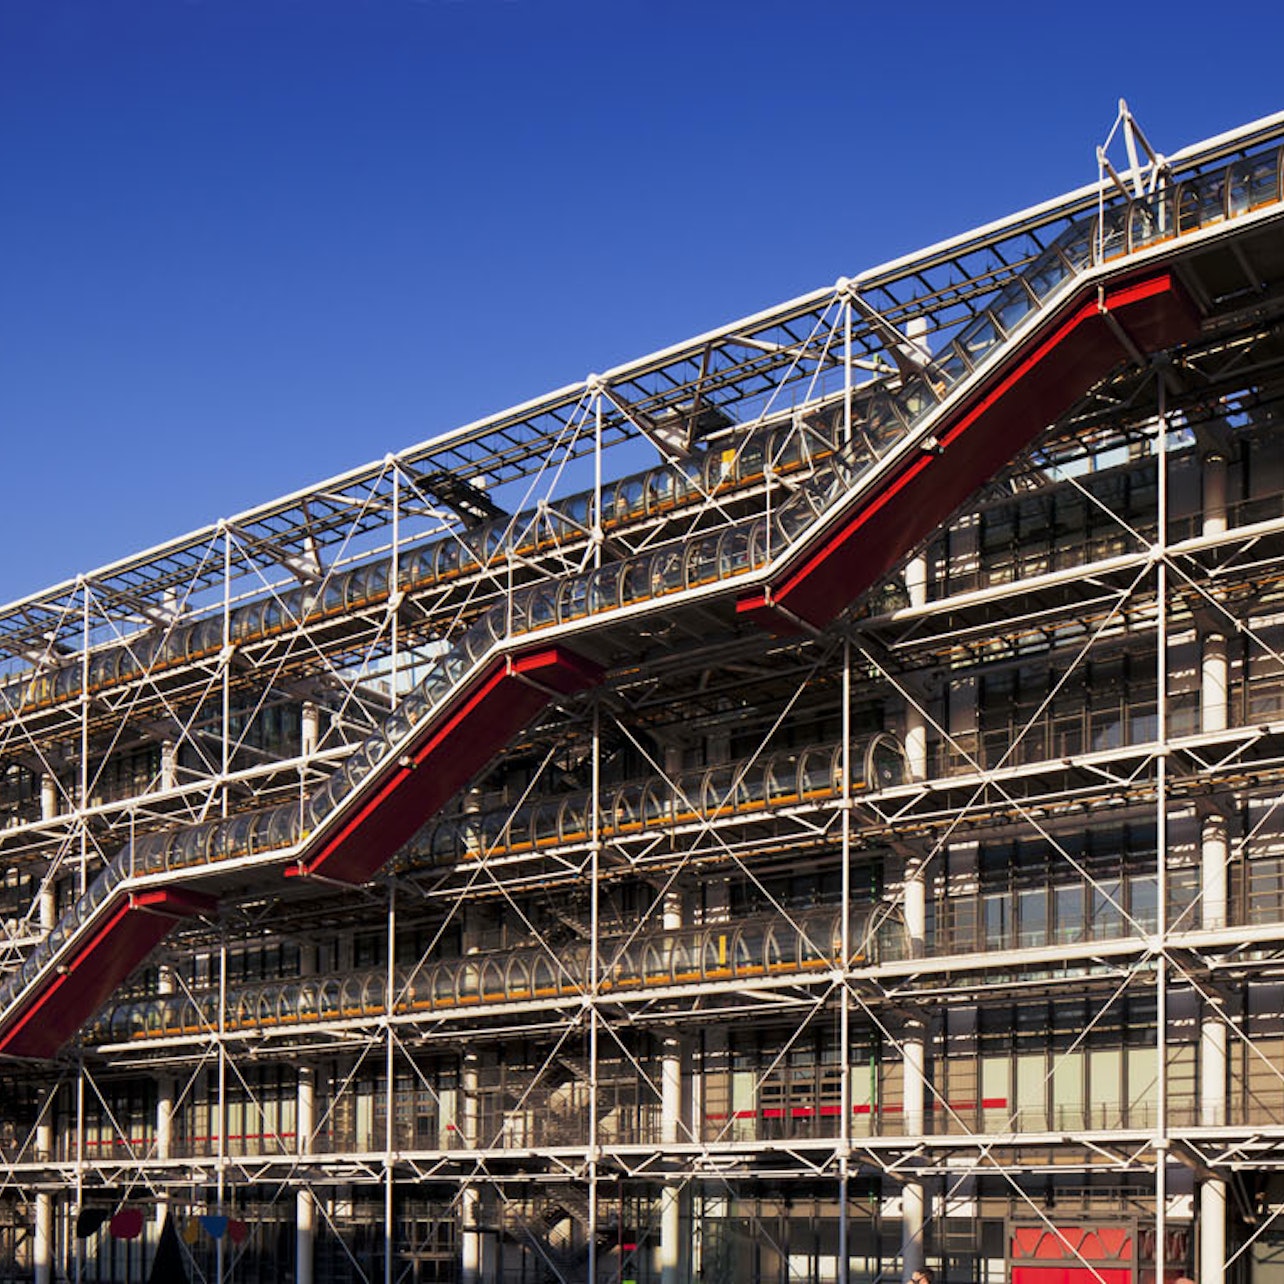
(310, 729)
(1212, 1230)
(915, 722)
(913, 1209)
(1212, 1066)
(1213, 1042)
(304, 1199)
(916, 580)
(913, 1064)
(1214, 854)
(1214, 687)
(42, 1247)
(304, 1234)
(1214, 493)
(670, 1127)
(48, 810)
(48, 796)
(470, 1239)
(470, 1236)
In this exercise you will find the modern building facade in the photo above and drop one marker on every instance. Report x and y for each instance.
(804, 805)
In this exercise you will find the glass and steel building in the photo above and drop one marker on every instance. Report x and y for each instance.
(804, 805)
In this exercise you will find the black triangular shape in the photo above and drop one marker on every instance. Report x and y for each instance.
(89, 1220)
(167, 1266)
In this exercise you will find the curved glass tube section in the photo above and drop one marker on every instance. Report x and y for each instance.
(889, 417)
(786, 778)
(655, 494)
(746, 950)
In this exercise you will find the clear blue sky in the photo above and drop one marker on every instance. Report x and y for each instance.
(251, 243)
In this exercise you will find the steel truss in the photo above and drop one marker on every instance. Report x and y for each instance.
(841, 949)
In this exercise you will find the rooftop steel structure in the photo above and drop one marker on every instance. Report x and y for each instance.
(803, 802)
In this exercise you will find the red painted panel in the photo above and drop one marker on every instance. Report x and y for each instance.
(1071, 1275)
(174, 902)
(133, 928)
(503, 700)
(558, 670)
(1116, 1241)
(1025, 1240)
(984, 435)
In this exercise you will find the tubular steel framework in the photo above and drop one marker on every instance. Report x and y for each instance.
(802, 805)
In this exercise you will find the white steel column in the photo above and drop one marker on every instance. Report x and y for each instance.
(311, 725)
(470, 1196)
(470, 1237)
(1212, 1065)
(915, 741)
(304, 1199)
(915, 722)
(1161, 827)
(42, 1248)
(390, 1083)
(916, 580)
(913, 1197)
(1214, 715)
(225, 665)
(1213, 1039)
(1214, 853)
(82, 785)
(48, 906)
(394, 585)
(1214, 689)
(670, 1117)
(670, 1235)
(80, 1162)
(48, 796)
(48, 893)
(221, 1157)
(164, 1117)
(164, 1100)
(844, 994)
(913, 1217)
(595, 922)
(1212, 1230)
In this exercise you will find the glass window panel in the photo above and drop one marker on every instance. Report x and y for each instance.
(1031, 1076)
(1068, 901)
(997, 910)
(1107, 917)
(1032, 907)
(1143, 1087)
(1105, 1086)
(1067, 1090)
(1144, 894)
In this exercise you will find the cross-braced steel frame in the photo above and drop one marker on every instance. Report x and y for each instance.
(831, 952)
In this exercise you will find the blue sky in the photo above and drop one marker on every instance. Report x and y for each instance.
(251, 243)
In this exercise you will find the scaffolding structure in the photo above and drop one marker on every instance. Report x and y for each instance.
(804, 805)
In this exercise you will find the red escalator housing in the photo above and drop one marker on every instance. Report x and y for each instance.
(65, 1000)
(1153, 312)
(502, 701)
